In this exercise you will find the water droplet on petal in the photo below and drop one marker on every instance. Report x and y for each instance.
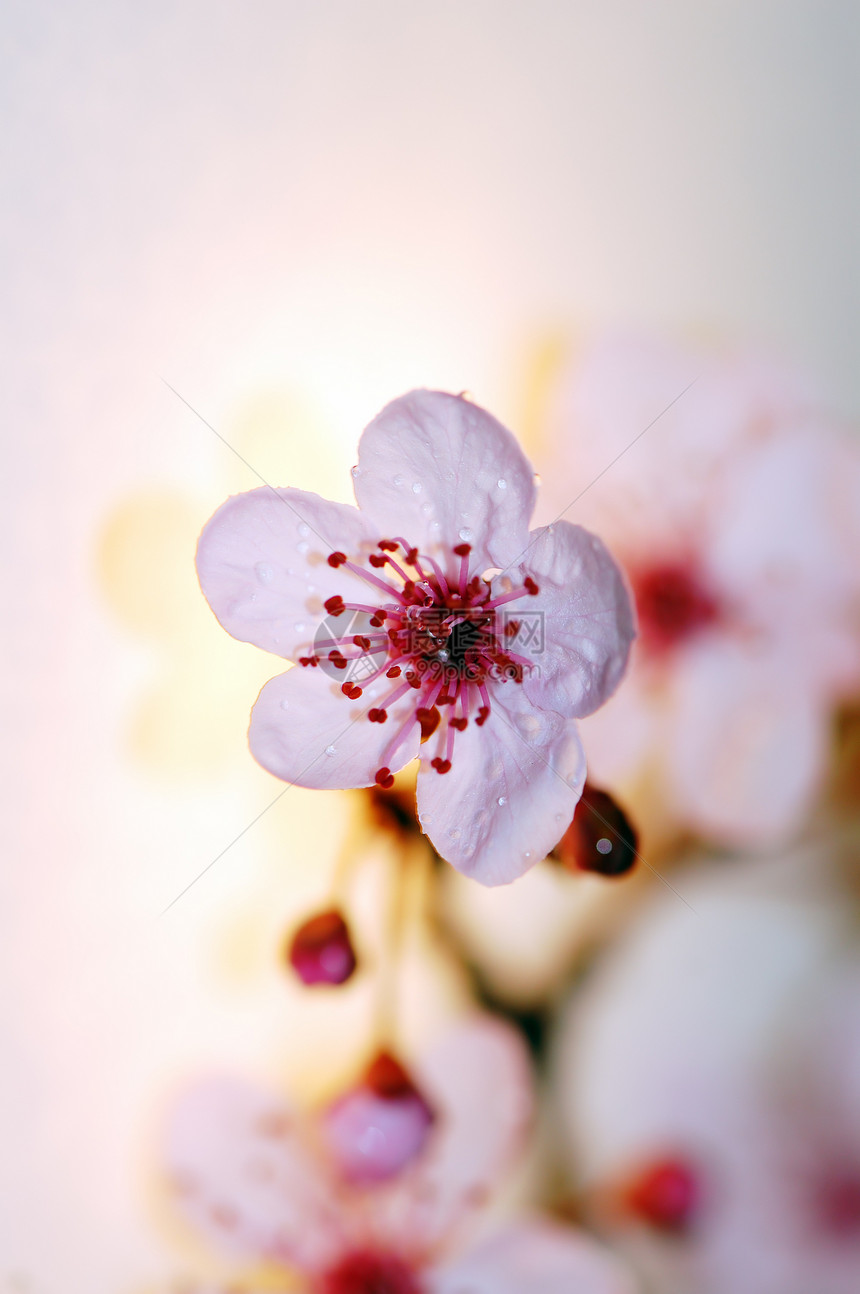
(398, 480)
(416, 487)
(285, 705)
(426, 507)
(356, 471)
(303, 546)
(300, 626)
(527, 854)
(503, 799)
(329, 750)
(265, 572)
(502, 483)
(465, 532)
(304, 529)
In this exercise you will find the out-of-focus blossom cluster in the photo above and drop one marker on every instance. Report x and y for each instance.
(653, 882)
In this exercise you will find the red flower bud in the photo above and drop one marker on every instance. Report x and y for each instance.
(320, 952)
(601, 837)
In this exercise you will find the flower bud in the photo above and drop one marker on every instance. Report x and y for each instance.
(377, 1128)
(600, 839)
(321, 952)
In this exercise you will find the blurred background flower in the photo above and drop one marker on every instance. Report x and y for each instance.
(293, 213)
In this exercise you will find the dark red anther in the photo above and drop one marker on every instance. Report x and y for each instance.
(512, 628)
(338, 659)
(377, 715)
(377, 559)
(460, 724)
(445, 698)
(308, 660)
(463, 550)
(412, 556)
(388, 545)
(441, 765)
(429, 720)
(361, 641)
(334, 605)
(321, 952)
(336, 559)
(352, 690)
(412, 679)
(667, 1194)
(408, 589)
(600, 838)
(483, 715)
(394, 672)
(530, 586)
(377, 619)
(384, 778)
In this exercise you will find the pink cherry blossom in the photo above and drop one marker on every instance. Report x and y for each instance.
(429, 619)
(711, 1086)
(737, 518)
(257, 1180)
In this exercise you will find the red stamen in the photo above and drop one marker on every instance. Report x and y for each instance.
(384, 778)
(377, 559)
(388, 545)
(334, 605)
(483, 715)
(441, 765)
(463, 550)
(336, 559)
(530, 586)
(377, 715)
(352, 690)
(394, 672)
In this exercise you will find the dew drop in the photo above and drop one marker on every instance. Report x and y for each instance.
(285, 705)
(503, 799)
(426, 507)
(329, 750)
(255, 596)
(416, 487)
(265, 572)
(356, 471)
(527, 854)
(398, 480)
(502, 483)
(465, 532)
(300, 626)
(304, 530)
(303, 546)
(604, 846)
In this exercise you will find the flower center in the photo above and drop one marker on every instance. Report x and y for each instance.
(837, 1203)
(672, 605)
(666, 1194)
(367, 1272)
(438, 635)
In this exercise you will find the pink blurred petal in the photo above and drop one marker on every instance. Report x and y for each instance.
(512, 791)
(437, 469)
(478, 1081)
(262, 560)
(588, 620)
(536, 1258)
(305, 731)
(242, 1175)
(748, 748)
